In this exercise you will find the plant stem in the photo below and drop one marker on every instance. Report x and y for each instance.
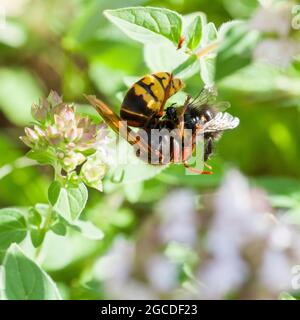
(47, 222)
(38, 252)
(44, 227)
(203, 52)
(20, 163)
(57, 172)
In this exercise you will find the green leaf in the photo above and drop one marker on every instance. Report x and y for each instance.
(76, 249)
(53, 192)
(87, 229)
(42, 209)
(133, 191)
(144, 24)
(71, 201)
(85, 27)
(190, 17)
(193, 33)
(25, 280)
(175, 175)
(210, 34)
(59, 228)
(163, 56)
(37, 237)
(226, 26)
(235, 51)
(12, 227)
(34, 217)
(42, 157)
(188, 68)
(207, 70)
(18, 90)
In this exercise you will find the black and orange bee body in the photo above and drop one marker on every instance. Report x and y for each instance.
(145, 100)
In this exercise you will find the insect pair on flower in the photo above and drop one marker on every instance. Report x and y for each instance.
(73, 144)
(167, 135)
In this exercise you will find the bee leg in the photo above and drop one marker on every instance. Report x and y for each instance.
(195, 170)
(151, 122)
(207, 166)
(181, 116)
(208, 150)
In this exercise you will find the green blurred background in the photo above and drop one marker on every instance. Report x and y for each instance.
(70, 47)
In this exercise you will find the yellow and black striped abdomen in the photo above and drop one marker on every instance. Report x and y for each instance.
(147, 97)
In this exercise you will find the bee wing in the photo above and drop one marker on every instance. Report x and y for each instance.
(105, 112)
(116, 124)
(222, 121)
(208, 97)
(222, 105)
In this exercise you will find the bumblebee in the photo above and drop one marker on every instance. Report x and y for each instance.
(143, 107)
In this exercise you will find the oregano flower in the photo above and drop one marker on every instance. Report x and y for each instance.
(66, 140)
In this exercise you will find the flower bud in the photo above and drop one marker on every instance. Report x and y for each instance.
(71, 134)
(60, 125)
(39, 113)
(39, 131)
(27, 141)
(53, 136)
(92, 173)
(54, 98)
(31, 134)
(68, 115)
(83, 122)
(73, 178)
(72, 160)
